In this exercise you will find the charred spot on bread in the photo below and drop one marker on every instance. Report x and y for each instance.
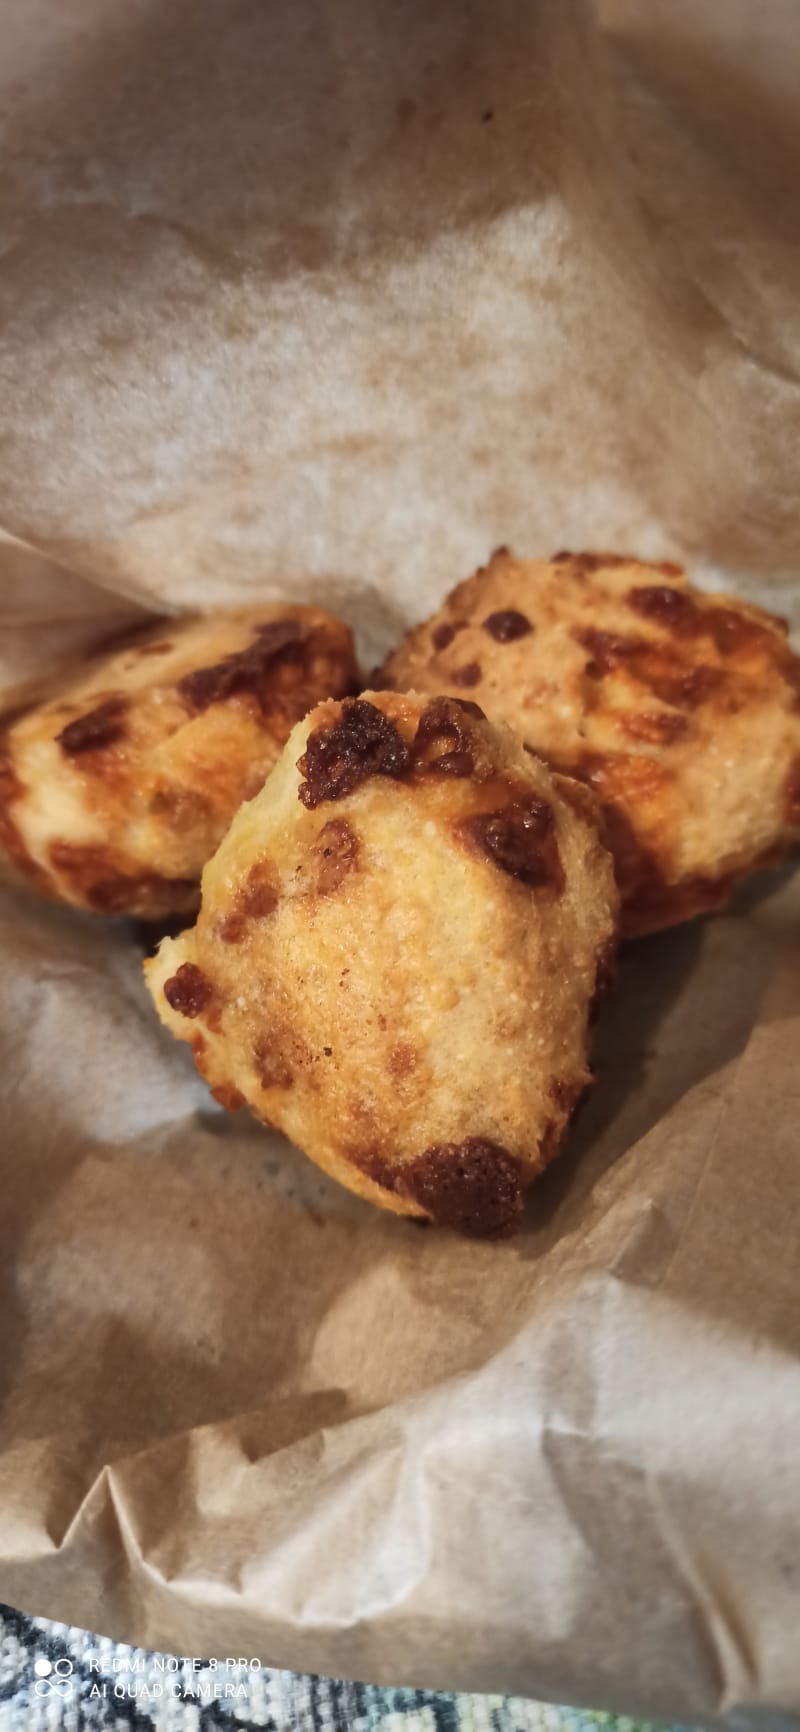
(470, 708)
(254, 899)
(520, 839)
(341, 755)
(688, 687)
(468, 675)
(271, 1065)
(656, 666)
(730, 629)
(443, 634)
(259, 894)
(473, 1187)
(228, 1096)
(246, 670)
(337, 850)
(507, 624)
(189, 991)
(607, 649)
(100, 727)
(442, 742)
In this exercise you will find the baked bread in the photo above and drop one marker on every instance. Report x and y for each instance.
(681, 709)
(398, 948)
(118, 782)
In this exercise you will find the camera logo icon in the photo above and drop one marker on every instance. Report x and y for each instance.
(53, 1678)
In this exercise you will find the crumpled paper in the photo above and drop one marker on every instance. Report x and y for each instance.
(326, 300)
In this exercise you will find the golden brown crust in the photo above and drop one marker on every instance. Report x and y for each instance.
(681, 710)
(116, 786)
(410, 1002)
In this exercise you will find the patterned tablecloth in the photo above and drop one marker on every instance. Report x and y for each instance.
(56, 1679)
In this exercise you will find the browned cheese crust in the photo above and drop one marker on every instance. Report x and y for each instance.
(117, 784)
(399, 947)
(681, 709)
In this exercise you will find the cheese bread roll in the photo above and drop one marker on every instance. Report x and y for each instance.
(681, 709)
(399, 945)
(117, 785)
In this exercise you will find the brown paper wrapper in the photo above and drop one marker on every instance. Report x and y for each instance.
(325, 300)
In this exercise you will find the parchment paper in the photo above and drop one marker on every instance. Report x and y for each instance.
(324, 299)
